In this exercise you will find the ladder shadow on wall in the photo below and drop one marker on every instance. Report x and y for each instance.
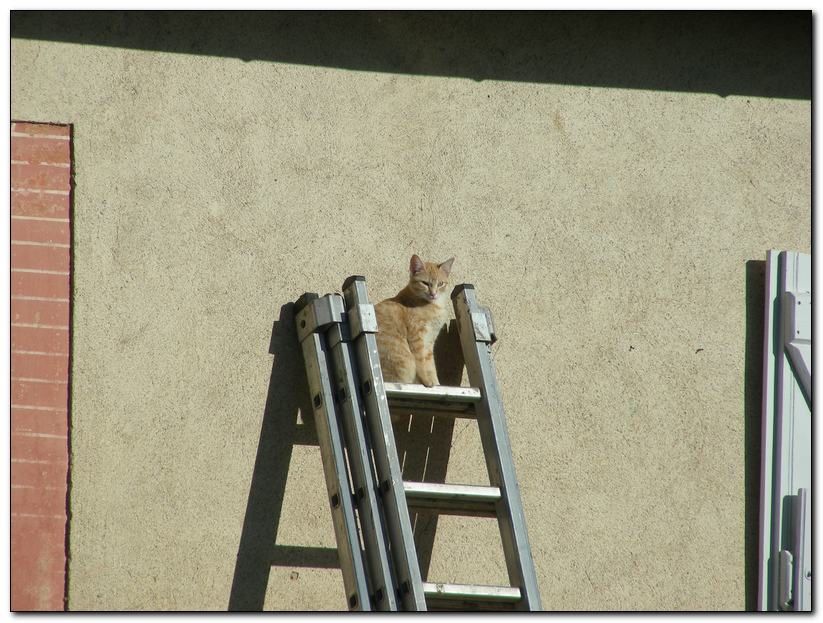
(424, 443)
(258, 551)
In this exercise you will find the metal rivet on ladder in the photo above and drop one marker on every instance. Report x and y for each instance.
(404, 587)
(341, 394)
(367, 387)
(317, 401)
(353, 601)
(378, 595)
(335, 501)
(385, 486)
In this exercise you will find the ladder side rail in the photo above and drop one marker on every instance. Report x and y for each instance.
(358, 445)
(476, 335)
(363, 326)
(312, 315)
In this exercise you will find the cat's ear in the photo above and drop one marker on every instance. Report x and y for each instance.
(446, 266)
(416, 265)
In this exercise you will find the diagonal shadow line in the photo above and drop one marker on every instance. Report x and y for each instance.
(287, 397)
(759, 53)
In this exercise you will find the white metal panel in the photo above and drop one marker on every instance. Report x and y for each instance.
(785, 538)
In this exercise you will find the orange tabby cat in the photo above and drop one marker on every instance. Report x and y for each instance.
(408, 323)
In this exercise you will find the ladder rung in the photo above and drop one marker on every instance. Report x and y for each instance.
(439, 400)
(448, 499)
(470, 597)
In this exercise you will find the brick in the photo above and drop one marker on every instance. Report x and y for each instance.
(51, 529)
(26, 203)
(48, 537)
(48, 551)
(55, 313)
(35, 595)
(40, 340)
(40, 177)
(35, 500)
(51, 474)
(54, 232)
(46, 367)
(40, 150)
(40, 129)
(35, 592)
(46, 500)
(39, 448)
(40, 258)
(39, 394)
(46, 422)
(34, 284)
(38, 561)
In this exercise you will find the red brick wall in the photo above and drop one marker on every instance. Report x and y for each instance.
(40, 316)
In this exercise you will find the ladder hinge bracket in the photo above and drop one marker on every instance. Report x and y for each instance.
(483, 326)
(362, 319)
(318, 314)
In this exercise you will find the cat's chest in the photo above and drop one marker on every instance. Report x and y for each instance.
(428, 320)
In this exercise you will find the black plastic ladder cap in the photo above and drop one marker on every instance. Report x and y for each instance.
(347, 283)
(305, 299)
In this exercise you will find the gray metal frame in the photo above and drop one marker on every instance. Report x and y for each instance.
(313, 316)
(363, 326)
(352, 402)
(785, 496)
(358, 447)
(474, 323)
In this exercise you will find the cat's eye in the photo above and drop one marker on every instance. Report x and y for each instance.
(426, 283)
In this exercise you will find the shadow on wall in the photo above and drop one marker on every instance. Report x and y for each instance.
(288, 395)
(753, 390)
(423, 446)
(758, 53)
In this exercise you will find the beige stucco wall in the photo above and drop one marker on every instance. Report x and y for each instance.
(608, 229)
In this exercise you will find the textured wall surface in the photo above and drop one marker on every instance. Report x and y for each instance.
(603, 191)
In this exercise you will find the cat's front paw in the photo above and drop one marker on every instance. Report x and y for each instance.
(429, 381)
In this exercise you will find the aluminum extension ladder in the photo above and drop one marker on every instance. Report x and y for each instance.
(367, 494)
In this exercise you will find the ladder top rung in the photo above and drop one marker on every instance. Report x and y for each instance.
(470, 594)
(438, 393)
